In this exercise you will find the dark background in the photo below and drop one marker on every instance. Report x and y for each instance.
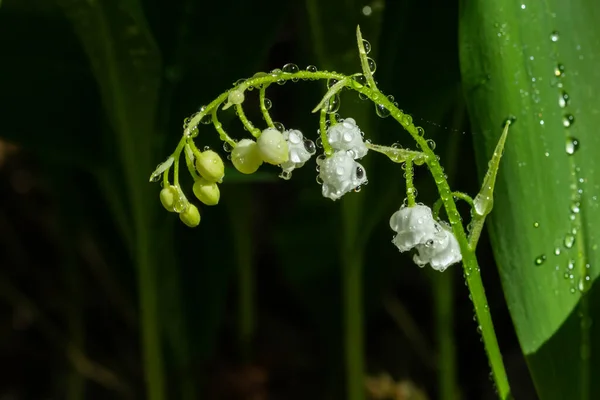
(69, 291)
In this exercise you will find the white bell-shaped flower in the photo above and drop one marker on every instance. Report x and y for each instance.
(340, 174)
(346, 135)
(299, 150)
(413, 225)
(441, 252)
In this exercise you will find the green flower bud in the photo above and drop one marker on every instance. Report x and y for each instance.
(207, 192)
(190, 216)
(273, 147)
(245, 157)
(168, 196)
(210, 165)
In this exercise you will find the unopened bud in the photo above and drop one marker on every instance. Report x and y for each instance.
(168, 196)
(273, 147)
(190, 216)
(207, 192)
(245, 157)
(210, 165)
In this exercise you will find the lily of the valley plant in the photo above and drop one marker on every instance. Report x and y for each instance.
(435, 242)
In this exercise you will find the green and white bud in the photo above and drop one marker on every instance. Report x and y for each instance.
(245, 157)
(168, 196)
(235, 97)
(207, 192)
(210, 165)
(190, 216)
(273, 147)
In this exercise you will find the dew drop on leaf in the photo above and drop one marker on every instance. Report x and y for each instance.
(311, 68)
(571, 145)
(367, 46)
(568, 120)
(569, 240)
(563, 99)
(554, 36)
(372, 65)
(540, 260)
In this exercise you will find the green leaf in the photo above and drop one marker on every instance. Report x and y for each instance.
(536, 61)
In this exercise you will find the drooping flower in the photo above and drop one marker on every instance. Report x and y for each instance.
(434, 241)
(340, 174)
(190, 216)
(441, 252)
(207, 192)
(299, 149)
(210, 165)
(413, 225)
(273, 147)
(346, 135)
(245, 157)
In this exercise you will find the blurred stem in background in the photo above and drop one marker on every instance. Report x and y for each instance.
(240, 206)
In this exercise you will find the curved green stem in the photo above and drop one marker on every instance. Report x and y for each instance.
(246, 122)
(263, 107)
(410, 187)
(471, 267)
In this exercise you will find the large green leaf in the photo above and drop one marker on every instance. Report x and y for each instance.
(537, 62)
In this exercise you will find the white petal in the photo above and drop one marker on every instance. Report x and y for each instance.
(340, 174)
(300, 150)
(414, 225)
(346, 135)
(441, 253)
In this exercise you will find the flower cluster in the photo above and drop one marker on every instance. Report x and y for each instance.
(340, 173)
(434, 241)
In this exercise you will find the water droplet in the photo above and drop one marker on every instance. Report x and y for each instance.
(511, 119)
(360, 173)
(575, 207)
(359, 81)
(523, 6)
(340, 171)
(155, 177)
(557, 251)
(309, 146)
(431, 144)
(563, 99)
(285, 175)
(268, 104)
(568, 120)
(536, 224)
(372, 65)
(319, 180)
(540, 260)
(381, 111)
(367, 46)
(569, 240)
(311, 68)
(279, 126)
(331, 82)
(290, 68)
(571, 145)
(559, 70)
(554, 36)
(227, 147)
(334, 104)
